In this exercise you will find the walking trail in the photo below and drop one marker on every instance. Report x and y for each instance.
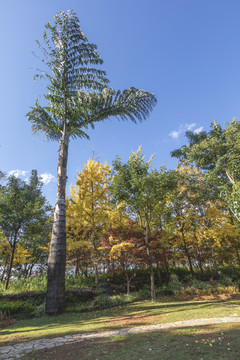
(18, 350)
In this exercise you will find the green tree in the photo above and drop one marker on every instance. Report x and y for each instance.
(36, 240)
(22, 206)
(142, 189)
(77, 98)
(217, 153)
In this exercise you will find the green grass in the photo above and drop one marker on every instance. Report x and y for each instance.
(39, 284)
(212, 342)
(134, 314)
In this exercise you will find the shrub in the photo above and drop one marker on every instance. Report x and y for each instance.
(226, 280)
(209, 291)
(198, 284)
(174, 283)
(18, 307)
(101, 302)
(77, 282)
(144, 292)
(39, 310)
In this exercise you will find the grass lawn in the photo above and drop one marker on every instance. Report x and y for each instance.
(138, 313)
(212, 342)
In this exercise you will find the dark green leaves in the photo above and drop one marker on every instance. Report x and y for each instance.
(139, 186)
(218, 153)
(21, 204)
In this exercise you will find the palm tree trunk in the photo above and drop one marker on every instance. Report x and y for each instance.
(57, 252)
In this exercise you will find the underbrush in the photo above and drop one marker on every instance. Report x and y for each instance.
(31, 308)
(29, 294)
(33, 284)
(102, 302)
(38, 284)
(21, 308)
(228, 290)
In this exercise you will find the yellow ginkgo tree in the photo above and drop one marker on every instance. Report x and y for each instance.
(87, 213)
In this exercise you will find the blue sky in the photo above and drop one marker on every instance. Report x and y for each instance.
(187, 52)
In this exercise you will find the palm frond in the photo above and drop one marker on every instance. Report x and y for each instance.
(130, 104)
(43, 121)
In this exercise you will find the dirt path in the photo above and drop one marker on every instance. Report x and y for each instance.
(18, 350)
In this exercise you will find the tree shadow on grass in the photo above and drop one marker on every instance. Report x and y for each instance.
(113, 318)
(211, 342)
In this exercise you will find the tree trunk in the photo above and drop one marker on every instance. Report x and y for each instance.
(159, 273)
(30, 270)
(57, 252)
(153, 295)
(214, 258)
(11, 260)
(96, 273)
(238, 257)
(128, 284)
(199, 262)
(198, 253)
(166, 268)
(76, 268)
(4, 270)
(187, 252)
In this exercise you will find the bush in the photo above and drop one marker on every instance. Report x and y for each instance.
(18, 307)
(78, 282)
(174, 283)
(226, 280)
(144, 292)
(198, 284)
(101, 302)
(74, 296)
(210, 291)
(39, 310)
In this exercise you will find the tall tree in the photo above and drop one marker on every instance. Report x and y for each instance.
(87, 210)
(77, 98)
(217, 152)
(22, 206)
(142, 189)
(36, 240)
(122, 246)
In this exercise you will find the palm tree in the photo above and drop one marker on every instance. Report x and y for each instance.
(77, 97)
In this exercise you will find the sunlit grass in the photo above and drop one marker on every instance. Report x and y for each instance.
(135, 314)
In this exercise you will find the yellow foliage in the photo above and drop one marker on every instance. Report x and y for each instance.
(21, 255)
(88, 208)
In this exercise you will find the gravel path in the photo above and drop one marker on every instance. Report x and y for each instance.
(18, 350)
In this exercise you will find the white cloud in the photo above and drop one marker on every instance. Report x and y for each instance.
(198, 130)
(47, 178)
(174, 134)
(189, 127)
(18, 173)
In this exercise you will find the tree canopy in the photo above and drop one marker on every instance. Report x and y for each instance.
(22, 209)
